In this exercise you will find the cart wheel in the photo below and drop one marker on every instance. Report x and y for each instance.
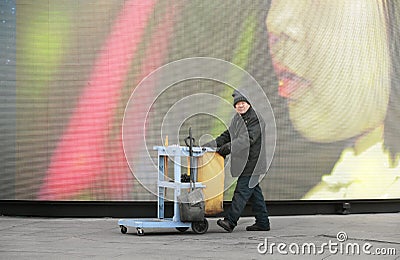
(200, 227)
(140, 231)
(182, 229)
(123, 229)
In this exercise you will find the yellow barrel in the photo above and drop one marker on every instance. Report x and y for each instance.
(211, 174)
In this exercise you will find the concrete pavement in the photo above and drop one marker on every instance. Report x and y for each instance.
(360, 236)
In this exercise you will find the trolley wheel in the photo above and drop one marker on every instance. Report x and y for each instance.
(123, 229)
(200, 227)
(182, 229)
(140, 231)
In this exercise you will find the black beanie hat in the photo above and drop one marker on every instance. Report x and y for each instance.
(237, 97)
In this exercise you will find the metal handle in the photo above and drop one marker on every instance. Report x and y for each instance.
(189, 141)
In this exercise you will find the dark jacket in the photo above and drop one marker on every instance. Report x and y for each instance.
(245, 141)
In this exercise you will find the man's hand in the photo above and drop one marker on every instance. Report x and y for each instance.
(224, 150)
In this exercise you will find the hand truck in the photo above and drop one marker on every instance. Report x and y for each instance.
(177, 153)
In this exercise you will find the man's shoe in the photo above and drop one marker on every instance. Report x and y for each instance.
(255, 227)
(225, 225)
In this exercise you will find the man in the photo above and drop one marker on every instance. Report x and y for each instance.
(244, 141)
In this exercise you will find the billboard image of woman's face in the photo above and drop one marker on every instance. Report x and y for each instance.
(329, 70)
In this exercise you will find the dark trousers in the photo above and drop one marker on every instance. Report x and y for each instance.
(243, 193)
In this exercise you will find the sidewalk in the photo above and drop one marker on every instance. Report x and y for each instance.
(299, 237)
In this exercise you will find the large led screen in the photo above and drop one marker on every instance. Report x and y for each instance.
(89, 87)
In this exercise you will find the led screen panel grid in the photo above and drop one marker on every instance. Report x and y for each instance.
(69, 68)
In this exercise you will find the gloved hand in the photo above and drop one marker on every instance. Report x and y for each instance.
(224, 150)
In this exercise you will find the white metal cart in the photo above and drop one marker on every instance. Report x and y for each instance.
(177, 153)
